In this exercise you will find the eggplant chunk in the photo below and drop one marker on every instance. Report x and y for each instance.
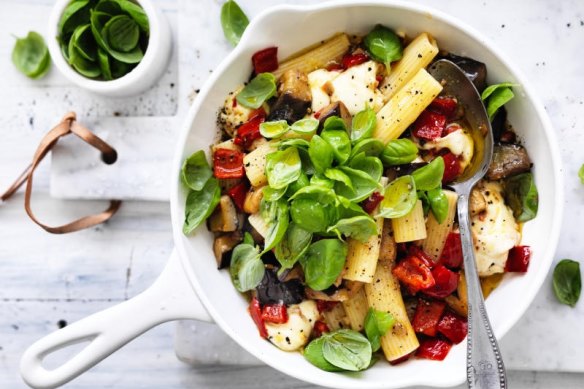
(508, 160)
(224, 217)
(475, 71)
(294, 97)
(273, 291)
(223, 247)
(335, 109)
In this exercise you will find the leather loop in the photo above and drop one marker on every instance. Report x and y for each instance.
(67, 126)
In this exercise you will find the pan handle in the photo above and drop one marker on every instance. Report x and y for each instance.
(171, 297)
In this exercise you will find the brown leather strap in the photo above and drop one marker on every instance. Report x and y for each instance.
(66, 126)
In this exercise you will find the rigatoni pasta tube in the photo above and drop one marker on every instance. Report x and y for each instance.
(356, 309)
(417, 55)
(405, 106)
(411, 226)
(255, 164)
(362, 257)
(384, 294)
(438, 232)
(331, 50)
(335, 318)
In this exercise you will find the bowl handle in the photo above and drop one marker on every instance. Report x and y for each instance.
(171, 297)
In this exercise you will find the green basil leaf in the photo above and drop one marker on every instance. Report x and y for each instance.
(110, 7)
(347, 209)
(521, 195)
(84, 67)
(567, 282)
(31, 56)
(200, 205)
(195, 171)
(311, 215)
(292, 246)
(438, 203)
(334, 123)
(399, 152)
(347, 349)
(371, 147)
(233, 21)
(122, 33)
(248, 239)
(313, 353)
(98, 20)
(84, 42)
(363, 185)
(114, 26)
(376, 324)
(338, 175)
(360, 228)
(340, 143)
(363, 125)
(581, 174)
(429, 177)
(293, 142)
(323, 262)
(259, 89)
(136, 13)
(275, 214)
(306, 126)
(119, 69)
(274, 129)
(383, 45)
(492, 88)
(370, 165)
(300, 183)
(271, 194)
(246, 269)
(283, 167)
(399, 198)
(104, 64)
(74, 14)
(318, 180)
(320, 193)
(321, 154)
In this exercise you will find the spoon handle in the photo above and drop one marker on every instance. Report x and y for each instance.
(484, 364)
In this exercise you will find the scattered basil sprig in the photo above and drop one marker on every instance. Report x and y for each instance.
(340, 350)
(383, 45)
(196, 171)
(234, 21)
(567, 282)
(103, 39)
(363, 125)
(521, 195)
(31, 56)
(275, 214)
(429, 177)
(399, 152)
(496, 96)
(376, 324)
(323, 262)
(292, 246)
(399, 198)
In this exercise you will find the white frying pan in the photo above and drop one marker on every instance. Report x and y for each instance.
(191, 287)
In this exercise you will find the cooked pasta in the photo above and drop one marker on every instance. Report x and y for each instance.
(438, 232)
(410, 227)
(356, 309)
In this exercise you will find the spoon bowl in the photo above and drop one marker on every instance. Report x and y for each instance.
(484, 363)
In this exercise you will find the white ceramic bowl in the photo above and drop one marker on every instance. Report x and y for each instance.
(172, 296)
(142, 77)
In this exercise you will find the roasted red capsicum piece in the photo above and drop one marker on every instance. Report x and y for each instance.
(320, 328)
(250, 130)
(433, 348)
(371, 202)
(237, 194)
(275, 313)
(452, 168)
(427, 316)
(414, 273)
(454, 327)
(451, 256)
(265, 60)
(255, 311)
(446, 282)
(325, 306)
(429, 125)
(446, 105)
(228, 163)
(518, 259)
(355, 59)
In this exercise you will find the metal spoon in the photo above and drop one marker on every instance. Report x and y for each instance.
(484, 364)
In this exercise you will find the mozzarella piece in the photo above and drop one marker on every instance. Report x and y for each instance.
(356, 87)
(230, 116)
(318, 81)
(458, 142)
(495, 231)
(296, 331)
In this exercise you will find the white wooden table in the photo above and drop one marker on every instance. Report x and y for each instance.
(47, 281)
